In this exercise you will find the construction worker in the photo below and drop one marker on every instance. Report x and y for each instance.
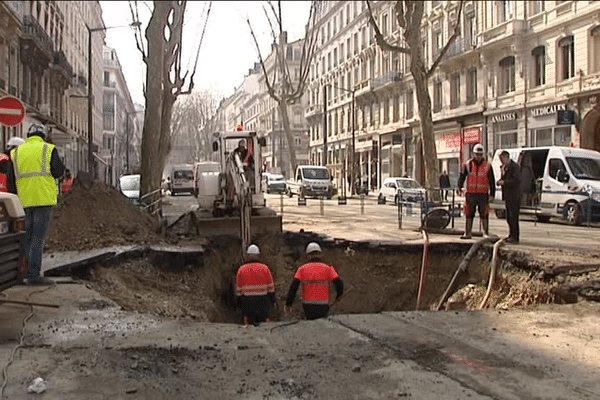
(67, 183)
(316, 277)
(7, 175)
(480, 191)
(254, 289)
(37, 166)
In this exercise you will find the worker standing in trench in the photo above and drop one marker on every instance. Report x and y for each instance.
(254, 289)
(316, 278)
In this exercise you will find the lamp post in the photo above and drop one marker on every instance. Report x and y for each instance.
(91, 163)
(352, 92)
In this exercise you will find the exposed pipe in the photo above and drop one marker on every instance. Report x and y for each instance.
(28, 303)
(492, 281)
(424, 263)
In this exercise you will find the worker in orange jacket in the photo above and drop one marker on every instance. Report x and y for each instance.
(67, 183)
(254, 289)
(316, 278)
(7, 173)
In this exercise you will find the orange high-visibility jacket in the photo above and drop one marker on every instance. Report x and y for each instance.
(254, 279)
(316, 278)
(3, 178)
(477, 180)
(67, 185)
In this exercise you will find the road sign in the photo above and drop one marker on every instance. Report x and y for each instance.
(12, 111)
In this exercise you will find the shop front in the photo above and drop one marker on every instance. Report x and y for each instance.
(505, 130)
(448, 147)
(550, 125)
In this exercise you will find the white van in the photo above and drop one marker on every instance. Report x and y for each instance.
(561, 182)
(182, 179)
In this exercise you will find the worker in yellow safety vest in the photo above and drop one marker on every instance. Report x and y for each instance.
(37, 165)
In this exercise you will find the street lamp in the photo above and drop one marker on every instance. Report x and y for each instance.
(351, 91)
(90, 90)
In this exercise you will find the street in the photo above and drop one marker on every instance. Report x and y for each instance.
(365, 219)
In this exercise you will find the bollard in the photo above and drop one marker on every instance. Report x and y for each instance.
(322, 206)
(453, 210)
(400, 213)
(281, 204)
(341, 200)
(301, 200)
(362, 204)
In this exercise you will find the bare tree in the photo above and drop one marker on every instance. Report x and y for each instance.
(282, 87)
(165, 82)
(190, 124)
(409, 15)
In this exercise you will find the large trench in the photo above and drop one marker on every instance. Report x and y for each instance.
(378, 276)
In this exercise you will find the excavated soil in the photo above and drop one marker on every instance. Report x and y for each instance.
(375, 280)
(98, 217)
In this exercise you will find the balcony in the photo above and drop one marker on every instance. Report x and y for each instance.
(35, 42)
(387, 78)
(60, 63)
(111, 63)
(504, 30)
(312, 110)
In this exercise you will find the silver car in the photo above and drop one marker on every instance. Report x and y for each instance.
(406, 189)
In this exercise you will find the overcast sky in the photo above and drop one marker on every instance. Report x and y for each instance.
(227, 50)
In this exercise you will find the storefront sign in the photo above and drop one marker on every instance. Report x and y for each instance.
(503, 117)
(448, 142)
(547, 110)
(471, 135)
(565, 117)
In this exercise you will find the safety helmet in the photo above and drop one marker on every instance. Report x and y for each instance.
(14, 142)
(478, 149)
(313, 248)
(253, 250)
(37, 129)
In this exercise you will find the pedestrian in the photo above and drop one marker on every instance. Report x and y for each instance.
(316, 278)
(444, 185)
(67, 183)
(254, 289)
(479, 192)
(510, 181)
(7, 173)
(36, 168)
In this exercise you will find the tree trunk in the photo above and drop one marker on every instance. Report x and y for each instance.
(154, 79)
(288, 134)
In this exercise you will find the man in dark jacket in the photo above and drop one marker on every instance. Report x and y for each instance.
(444, 184)
(511, 194)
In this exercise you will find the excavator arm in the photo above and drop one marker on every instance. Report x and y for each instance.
(235, 169)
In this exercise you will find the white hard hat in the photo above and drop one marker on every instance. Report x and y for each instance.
(14, 142)
(478, 149)
(313, 248)
(253, 250)
(37, 129)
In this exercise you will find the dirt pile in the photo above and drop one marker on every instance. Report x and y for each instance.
(98, 217)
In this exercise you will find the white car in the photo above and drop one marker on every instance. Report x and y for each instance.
(129, 185)
(407, 189)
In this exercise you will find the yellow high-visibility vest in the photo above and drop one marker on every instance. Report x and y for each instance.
(35, 184)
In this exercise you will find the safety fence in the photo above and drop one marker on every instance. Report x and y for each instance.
(152, 202)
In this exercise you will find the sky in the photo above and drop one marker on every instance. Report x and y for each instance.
(227, 52)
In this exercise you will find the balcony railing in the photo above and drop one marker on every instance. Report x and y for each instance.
(60, 60)
(505, 29)
(31, 28)
(388, 77)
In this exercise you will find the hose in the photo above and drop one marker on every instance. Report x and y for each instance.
(495, 263)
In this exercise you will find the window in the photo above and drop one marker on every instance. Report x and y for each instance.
(595, 45)
(539, 65)
(505, 11)
(455, 90)
(559, 136)
(384, 25)
(409, 105)
(471, 86)
(437, 96)
(555, 165)
(396, 111)
(386, 111)
(437, 43)
(566, 53)
(469, 29)
(106, 78)
(505, 134)
(507, 75)
(538, 6)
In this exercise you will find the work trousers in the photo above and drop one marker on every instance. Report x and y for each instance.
(512, 217)
(256, 308)
(315, 311)
(475, 201)
(37, 221)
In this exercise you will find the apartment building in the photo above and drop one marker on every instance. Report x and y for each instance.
(520, 74)
(118, 122)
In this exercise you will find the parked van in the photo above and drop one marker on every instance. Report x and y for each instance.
(182, 179)
(561, 182)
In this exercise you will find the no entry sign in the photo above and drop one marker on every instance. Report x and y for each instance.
(12, 111)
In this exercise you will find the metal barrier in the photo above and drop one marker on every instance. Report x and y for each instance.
(155, 206)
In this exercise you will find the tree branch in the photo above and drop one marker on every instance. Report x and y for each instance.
(138, 32)
(450, 40)
(381, 42)
(262, 64)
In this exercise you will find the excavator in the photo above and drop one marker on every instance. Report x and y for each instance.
(231, 200)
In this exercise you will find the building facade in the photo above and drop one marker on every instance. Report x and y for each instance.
(519, 74)
(119, 119)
